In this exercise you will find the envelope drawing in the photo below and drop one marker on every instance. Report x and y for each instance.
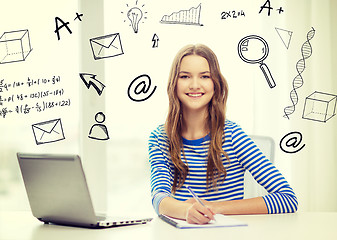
(48, 131)
(106, 46)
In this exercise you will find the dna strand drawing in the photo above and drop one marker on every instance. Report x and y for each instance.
(306, 51)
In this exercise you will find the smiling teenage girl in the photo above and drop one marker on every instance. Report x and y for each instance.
(200, 148)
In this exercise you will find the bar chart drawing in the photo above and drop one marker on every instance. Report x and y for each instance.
(186, 17)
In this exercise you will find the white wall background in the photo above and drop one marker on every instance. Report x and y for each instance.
(121, 162)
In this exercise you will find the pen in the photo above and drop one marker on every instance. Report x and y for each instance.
(195, 196)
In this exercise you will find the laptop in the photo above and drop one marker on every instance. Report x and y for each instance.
(58, 192)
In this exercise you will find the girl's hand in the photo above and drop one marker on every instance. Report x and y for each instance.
(197, 213)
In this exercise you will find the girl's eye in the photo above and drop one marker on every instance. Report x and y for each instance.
(183, 76)
(205, 76)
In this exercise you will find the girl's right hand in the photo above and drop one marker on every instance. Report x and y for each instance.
(199, 214)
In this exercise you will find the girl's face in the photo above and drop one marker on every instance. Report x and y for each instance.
(195, 87)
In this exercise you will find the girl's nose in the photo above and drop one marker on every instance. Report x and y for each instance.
(194, 84)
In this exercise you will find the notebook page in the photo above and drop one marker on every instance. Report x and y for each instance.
(220, 221)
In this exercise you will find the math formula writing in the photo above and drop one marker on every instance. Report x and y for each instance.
(32, 95)
(4, 86)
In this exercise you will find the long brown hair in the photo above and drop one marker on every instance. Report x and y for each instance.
(215, 120)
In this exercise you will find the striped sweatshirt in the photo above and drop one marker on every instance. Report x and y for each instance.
(243, 155)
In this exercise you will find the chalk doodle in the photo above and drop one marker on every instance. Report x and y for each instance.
(30, 83)
(48, 131)
(78, 16)
(38, 106)
(267, 5)
(232, 14)
(106, 46)
(187, 17)
(306, 51)
(285, 36)
(254, 49)
(155, 40)
(99, 131)
(20, 101)
(59, 24)
(14, 46)
(38, 94)
(320, 106)
(58, 28)
(90, 80)
(290, 143)
(140, 85)
(135, 16)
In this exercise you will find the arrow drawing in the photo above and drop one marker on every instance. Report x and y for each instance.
(90, 80)
(155, 40)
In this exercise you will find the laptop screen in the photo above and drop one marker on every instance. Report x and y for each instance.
(56, 187)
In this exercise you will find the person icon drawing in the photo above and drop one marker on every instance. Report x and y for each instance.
(99, 131)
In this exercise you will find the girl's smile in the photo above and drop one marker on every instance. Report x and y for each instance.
(195, 95)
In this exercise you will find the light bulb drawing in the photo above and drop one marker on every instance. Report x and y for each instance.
(135, 16)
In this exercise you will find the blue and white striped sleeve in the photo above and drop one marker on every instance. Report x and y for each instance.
(160, 170)
(281, 197)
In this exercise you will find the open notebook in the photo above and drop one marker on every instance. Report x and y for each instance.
(220, 221)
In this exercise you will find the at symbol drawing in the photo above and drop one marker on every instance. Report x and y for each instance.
(290, 143)
(138, 89)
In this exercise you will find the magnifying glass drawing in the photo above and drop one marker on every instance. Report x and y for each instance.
(254, 49)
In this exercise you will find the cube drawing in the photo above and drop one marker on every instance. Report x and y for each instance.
(14, 46)
(319, 106)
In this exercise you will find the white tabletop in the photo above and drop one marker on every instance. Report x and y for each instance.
(322, 226)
